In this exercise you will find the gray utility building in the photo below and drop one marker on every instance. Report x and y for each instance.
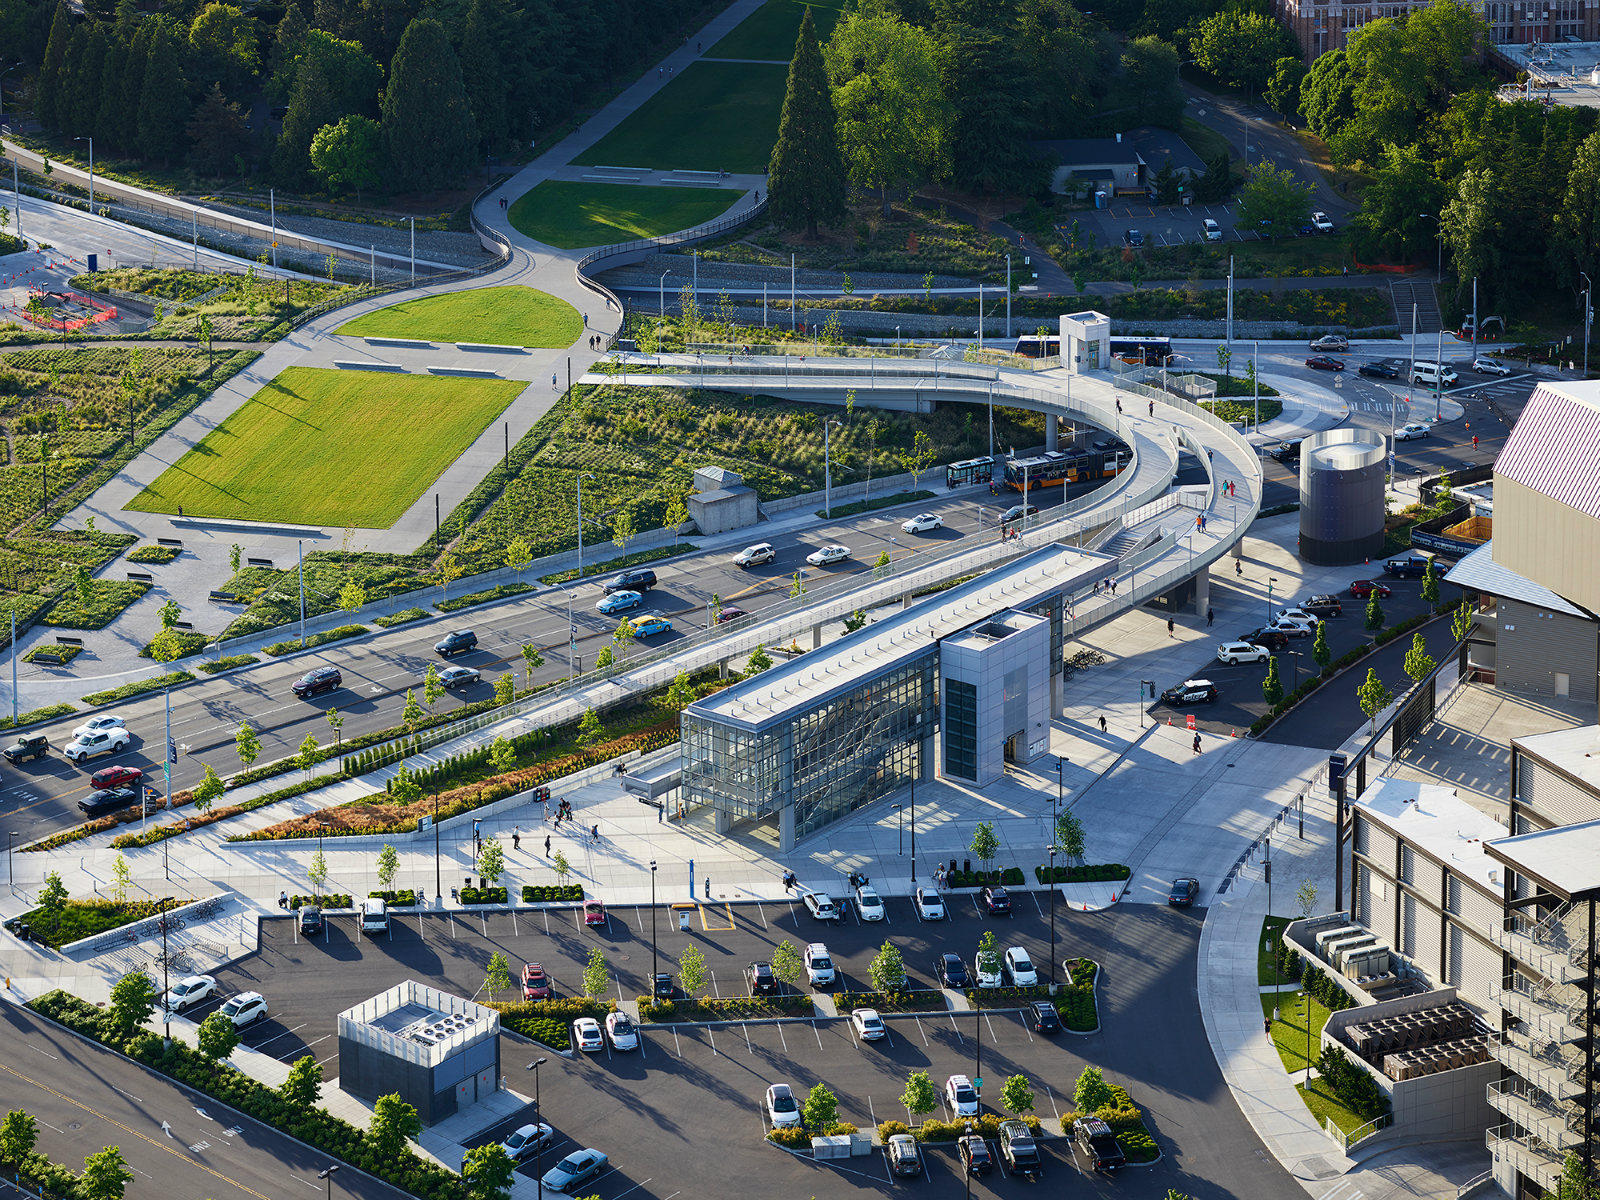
(437, 1052)
(811, 740)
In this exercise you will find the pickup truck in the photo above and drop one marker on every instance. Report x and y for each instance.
(1019, 1150)
(1098, 1143)
(1414, 567)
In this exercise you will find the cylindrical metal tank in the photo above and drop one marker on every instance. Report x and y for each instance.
(1342, 475)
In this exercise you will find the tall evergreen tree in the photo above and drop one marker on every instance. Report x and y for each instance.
(288, 43)
(133, 73)
(71, 76)
(49, 90)
(164, 101)
(427, 122)
(84, 102)
(483, 70)
(805, 176)
(311, 106)
(216, 134)
(106, 122)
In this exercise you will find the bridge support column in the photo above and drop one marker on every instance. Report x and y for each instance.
(1202, 591)
(1057, 698)
(816, 637)
(786, 828)
(722, 819)
(1052, 431)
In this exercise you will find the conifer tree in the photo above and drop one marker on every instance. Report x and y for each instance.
(805, 176)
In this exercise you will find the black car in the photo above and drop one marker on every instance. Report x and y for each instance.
(1379, 370)
(1132, 237)
(1045, 1018)
(32, 745)
(996, 902)
(1017, 511)
(1323, 606)
(1272, 639)
(457, 641)
(1098, 1143)
(662, 987)
(322, 679)
(1183, 892)
(636, 579)
(952, 972)
(309, 919)
(1288, 451)
(1191, 691)
(99, 804)
(760, 977)
(975, 1156)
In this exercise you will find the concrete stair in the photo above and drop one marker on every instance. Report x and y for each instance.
(1422, 295)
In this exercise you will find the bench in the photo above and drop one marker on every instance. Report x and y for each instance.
(178, 542)
(345, 364)
(63, 639)
(258, 562)
(44, 654)
(467, 372)
(613, 178)
(223, 598)
(489, 348)
(391, 341)
(189, 625)
(141, 577)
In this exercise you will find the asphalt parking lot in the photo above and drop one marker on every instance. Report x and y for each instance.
(656, 1111)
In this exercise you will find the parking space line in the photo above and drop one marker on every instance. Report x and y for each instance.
(817, 1033)
(922, 1031)
(745, 1029)
(1025, 1027)
(761, 911)
(639, 919)
(992, 1034)
(634, 1188)
(452, 916)
(957, 1029)
(714, 989)
(782, 1038)
(711, 1036)
(677, 1046)
(483, 921)
(1051, 1096)
(513, 922)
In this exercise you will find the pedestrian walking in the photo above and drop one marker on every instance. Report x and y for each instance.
(552, 383)
(1210, 617)
(1474, 441)
(1169, 626)
(1152, 408)
(1202, 522)
(1197, 743)
(547, 845)
(283, 899)
(594, 833)
(660, 811)
(180, 507)
(516, 838)
(586, 320)
(1238, 568)
(708, 887)
(1102, 722)
(1345, 273)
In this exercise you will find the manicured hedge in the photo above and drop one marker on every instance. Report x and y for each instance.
(1006, 877)
(544, 893)
(327, 900)
(404, 897)
(1091, 873)
(796, 1138)
(489, 895)
(906, 1001)
(935, 1130)
(1075, 1001)
(724, 1008)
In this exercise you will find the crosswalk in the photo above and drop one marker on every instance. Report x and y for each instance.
(1344, 1189)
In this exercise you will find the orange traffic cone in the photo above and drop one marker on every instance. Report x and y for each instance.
(1169, 720)
(1233, 733)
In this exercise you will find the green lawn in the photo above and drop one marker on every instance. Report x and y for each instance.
(1289, 1031)
(770, 32)
(330, 448)
(506, 316)
(1202, 139)
(713, 117)
(569, 215)
(1271, 931)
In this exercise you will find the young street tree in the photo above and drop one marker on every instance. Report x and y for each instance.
(1306, 897)
(923, 455)
(920, 1096)
(1430, 583)
(317, 871)
(217, 1036)
(303, 1086)
(786, 963)
(498, 977)
(121, 878)
(1092, 1093)
(1272, 686)
(249, 745)
(1374, 697)
(691, 971)
(208, 789)
(310, 754)
(984, 842)
(18, 1134)
(105, 1176)
(1374, 619)
(596, 974)
(1418, 661)
(393, 1123)
(432, 689)
(821, 1108)
(1321, 654)
(887, 970)
(805, 177)
(488, 1172)
(133, 999)
(492, 861)
(388, 864)
(1069, 835)
(1016, 1096)
(1461, 622)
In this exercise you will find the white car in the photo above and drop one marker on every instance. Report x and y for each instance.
(100, 741)
(246, 1008)
(869, 1025)
(459, 676)
(1020, 969)
(826, 555)
(1490, 366)
(961, 1096)
(527, 1140)
(1321, 223)
(577, 1167)
(930, 905)
(586, 1033)
(189, 991)
(783, 1110)
(620, 1029)
(1297, 614)
(869, 904)
(1212, 229)
(819, 964)
(922, 523)
(753, 556)
(986, 965)
(1415, 429)
(1238, 652)
(1294, 627)
(98, 724)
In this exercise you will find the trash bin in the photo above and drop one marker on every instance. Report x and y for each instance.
(467, 882)
(24, 932)
(966, 865)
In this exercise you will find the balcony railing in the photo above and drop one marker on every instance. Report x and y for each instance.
(1535, 1158)
(1551, 1120)
(1541, 1062)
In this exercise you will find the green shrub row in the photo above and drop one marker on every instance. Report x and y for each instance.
(226, 664)
(502, 592)
(545, 893)
(310, 1124)
(732, 1007)
(139, 687)
(279, 649)
(48, 713)
(1138, 1146)
(400, 618)
(326, 900)
(796, 1138)
(622, 562)
(1090, 873)
(861, 506)
(1121, 1114)
(154, 554)
(1290, 964)
(1007, 877)
(918, 1000)
(1356, 1088)
(1075, 1001)
(404, 897)
(160, 833)
(488, 895)
(1325, 991)
(935, 1130)
(52, 653)
(188, 644)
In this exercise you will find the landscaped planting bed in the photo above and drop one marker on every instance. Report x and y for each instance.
(725, 1008)
(1074, 1001)
(934, 1130)
(1126, 1121)
(550, 1021)
(77, 919)
(906, 1001)
(105, 602)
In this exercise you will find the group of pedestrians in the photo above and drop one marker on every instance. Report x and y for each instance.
(1108, 585)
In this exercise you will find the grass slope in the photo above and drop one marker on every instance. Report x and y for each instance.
(507, 316)
(713, 117)
(770, 32)
(332, 448)
(570, 215)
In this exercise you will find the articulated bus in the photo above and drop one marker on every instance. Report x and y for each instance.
(1148, 351)
(1065, 466)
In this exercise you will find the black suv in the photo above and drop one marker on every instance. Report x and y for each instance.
(322, 679)
(1379, 370)
(1287, 451)
(32, 745)
(635, 579)
(996, 902)
(98, 804)
(457, 641)
(761, 979)
(1191, 691)
(1098, 1143)
(1323, 606)
(1272, 639)
(310, 920)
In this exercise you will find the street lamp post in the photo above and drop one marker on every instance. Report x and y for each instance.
(1053, 890)
(328, 1175)
(438, 881)
(827, 467)
(1271, 579)
(900, 818)
(11, 871)
(913, 833)
(538, 1150)
(90, 140)
(581, 477)
(661, 287)
(653, 923)
(1438, 237)
(1588, 319)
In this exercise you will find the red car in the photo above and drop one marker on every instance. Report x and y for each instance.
(1362, 588)
(535, 983)
(1324, 362)
(112, 777)
(729, 612)
(594, 912)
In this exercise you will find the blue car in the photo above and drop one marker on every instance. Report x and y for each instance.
(652, 624)
(620, 602)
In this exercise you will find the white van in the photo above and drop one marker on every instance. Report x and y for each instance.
(1427, 374)
(374, 915)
